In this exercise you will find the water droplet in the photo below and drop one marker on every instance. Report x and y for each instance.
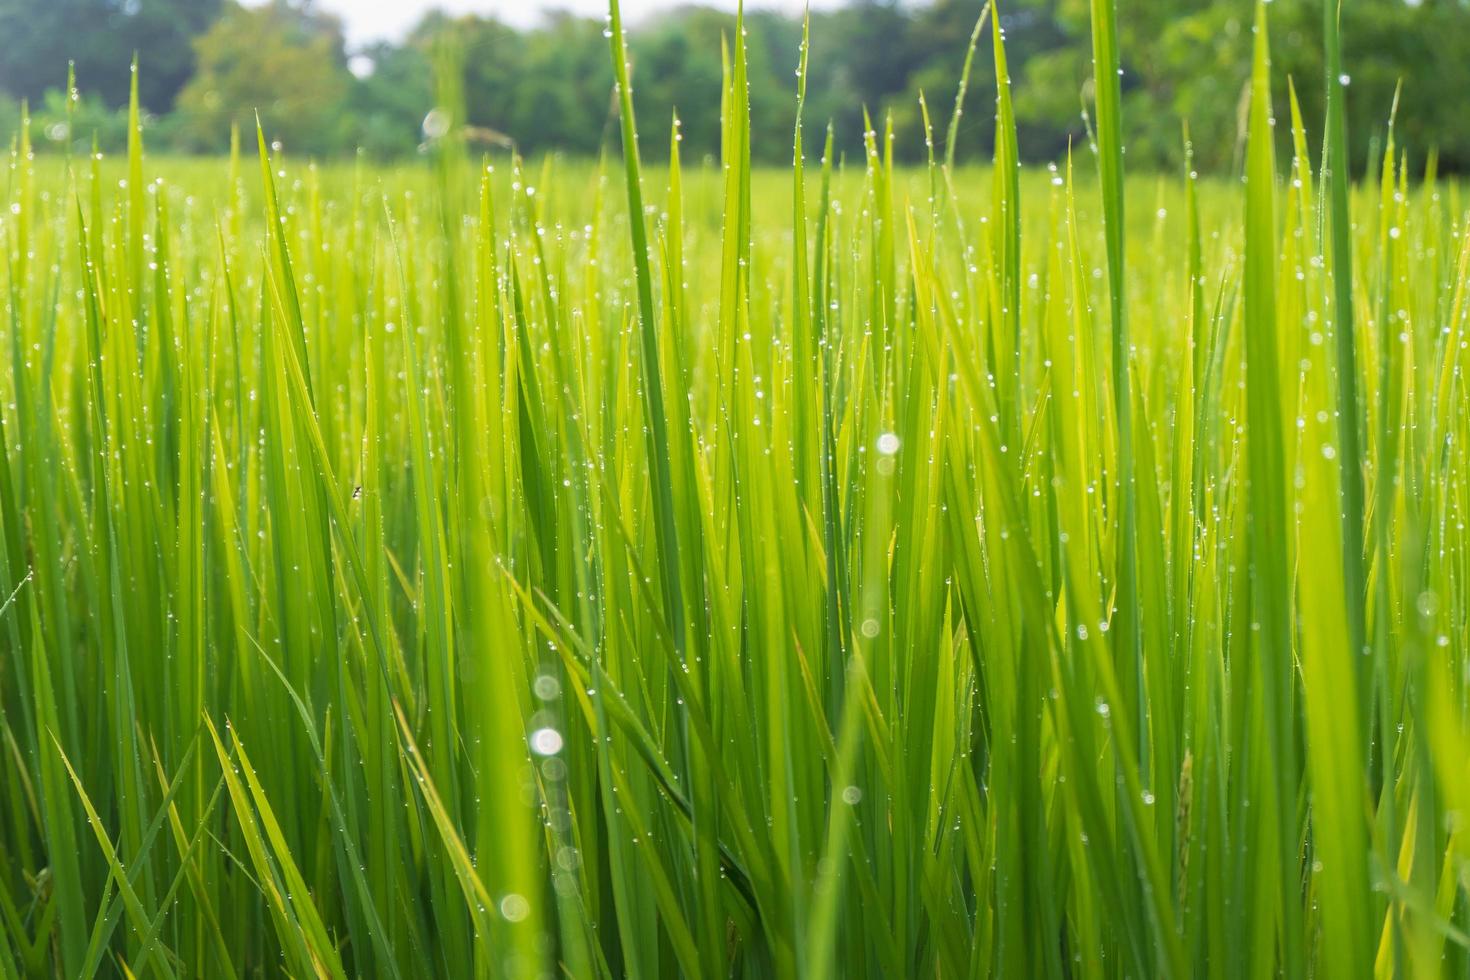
(546, 741)
(514, 907)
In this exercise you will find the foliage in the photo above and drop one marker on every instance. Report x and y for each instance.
(101, 37)
(278, 60)
(548, 87)
(637, 567)
(386, 108)
(509, 87)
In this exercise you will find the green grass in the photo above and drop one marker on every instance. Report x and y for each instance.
(640, 568)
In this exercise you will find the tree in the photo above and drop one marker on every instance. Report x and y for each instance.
(561, 98)
(101, 37)
(549, 87)
(283, 60)
(387, 105)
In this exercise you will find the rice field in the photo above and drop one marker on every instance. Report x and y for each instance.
(638, 568)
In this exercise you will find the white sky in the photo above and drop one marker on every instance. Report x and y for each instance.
(374, 20)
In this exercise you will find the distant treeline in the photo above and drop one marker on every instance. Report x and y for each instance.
(209, 63)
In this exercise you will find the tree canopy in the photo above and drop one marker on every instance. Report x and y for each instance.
(101, 38)
(210, 63)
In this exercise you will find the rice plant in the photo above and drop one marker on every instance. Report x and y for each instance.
(625, 568)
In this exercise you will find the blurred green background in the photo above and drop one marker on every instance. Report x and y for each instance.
(547, 87)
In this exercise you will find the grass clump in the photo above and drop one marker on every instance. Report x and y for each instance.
(842, 571)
